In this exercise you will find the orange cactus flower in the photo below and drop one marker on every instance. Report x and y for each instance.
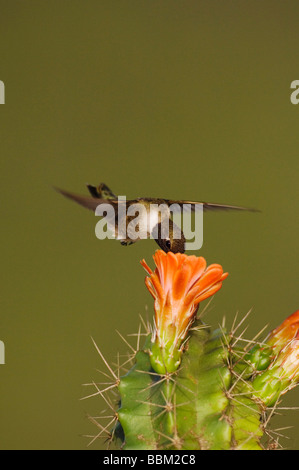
(285, 343)
(285, 333)
(288, 361)
(283, 372)
(178, 284)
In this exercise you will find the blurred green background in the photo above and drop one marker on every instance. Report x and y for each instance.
(186, 100)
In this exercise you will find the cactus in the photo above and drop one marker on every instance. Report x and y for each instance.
(194, 387)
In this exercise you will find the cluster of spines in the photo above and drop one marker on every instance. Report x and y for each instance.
(209, 403)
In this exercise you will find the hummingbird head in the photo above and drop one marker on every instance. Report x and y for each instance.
(174, 241)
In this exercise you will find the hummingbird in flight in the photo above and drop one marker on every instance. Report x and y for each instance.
(152, 220)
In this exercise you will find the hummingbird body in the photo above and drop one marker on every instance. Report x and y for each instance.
(147, 221)
(154, 218)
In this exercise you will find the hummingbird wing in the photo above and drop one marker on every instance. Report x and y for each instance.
(113, 218)
(86, 201)
(190, 205)
(101, 191)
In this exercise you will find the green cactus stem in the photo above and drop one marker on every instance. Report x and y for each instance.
(203, 405)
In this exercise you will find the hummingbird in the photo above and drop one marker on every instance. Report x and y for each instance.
(152, 222)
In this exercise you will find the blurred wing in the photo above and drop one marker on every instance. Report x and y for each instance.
(101, 191)
(190, 205)
(86, 201)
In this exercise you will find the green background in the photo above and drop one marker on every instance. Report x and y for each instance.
(179, 99)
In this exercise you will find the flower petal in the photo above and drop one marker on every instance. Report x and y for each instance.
(181, 280)
(209, 292)
(211, 275)
(146, 267)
